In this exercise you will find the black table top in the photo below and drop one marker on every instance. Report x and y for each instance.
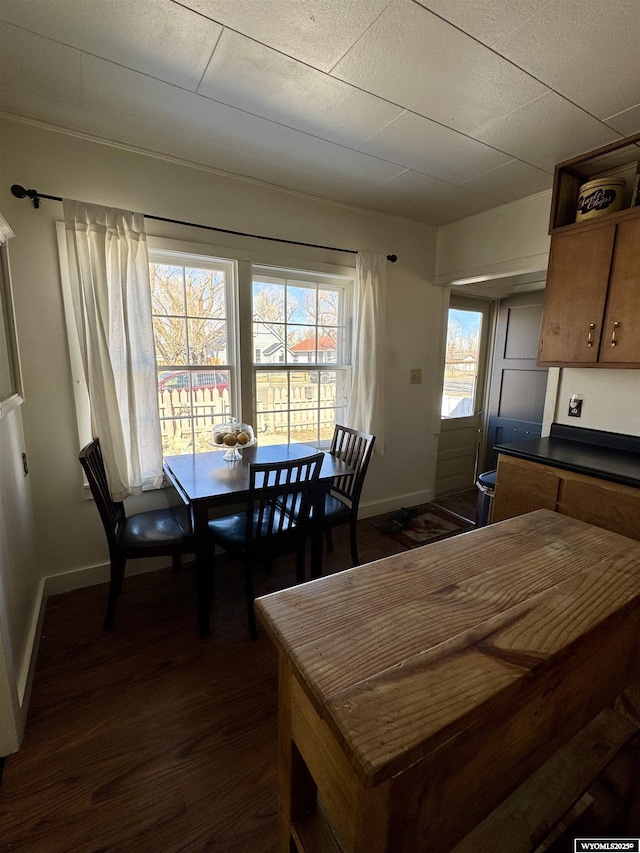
(208, 477)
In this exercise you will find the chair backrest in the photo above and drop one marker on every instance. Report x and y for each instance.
(280, 497)
(354, 449)
(111, 512)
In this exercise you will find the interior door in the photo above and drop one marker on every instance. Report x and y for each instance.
(463, 394)
(518, 386)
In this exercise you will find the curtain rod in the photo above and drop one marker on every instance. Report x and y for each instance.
(20, 192)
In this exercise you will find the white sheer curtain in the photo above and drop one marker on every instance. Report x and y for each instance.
(109, 278)
(366, 404)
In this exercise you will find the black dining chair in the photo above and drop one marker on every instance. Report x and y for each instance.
(343, 500)
(155, 533)
(266, 530)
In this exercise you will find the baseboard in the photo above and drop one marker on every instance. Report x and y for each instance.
(367, 510)
(94, 575)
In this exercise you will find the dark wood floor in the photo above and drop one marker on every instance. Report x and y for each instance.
(145, 738)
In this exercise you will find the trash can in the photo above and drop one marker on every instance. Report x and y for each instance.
(486, 484)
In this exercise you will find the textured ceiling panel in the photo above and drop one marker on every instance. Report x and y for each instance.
(433, 149)
(405, 56)
(155, 37)
(267, 83)
(587, 50)
(317, 32)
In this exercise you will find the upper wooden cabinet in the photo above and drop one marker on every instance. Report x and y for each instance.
(621, 330)
(591, 315)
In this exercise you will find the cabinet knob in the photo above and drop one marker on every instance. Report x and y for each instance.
(614, 342)
(590, 338)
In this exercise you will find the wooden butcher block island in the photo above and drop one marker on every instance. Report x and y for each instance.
(418, 692)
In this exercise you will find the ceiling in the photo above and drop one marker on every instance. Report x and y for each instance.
(429, 109)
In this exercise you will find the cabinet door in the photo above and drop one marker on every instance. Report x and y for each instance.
(621, 332)
(575, 295)
(523, 486)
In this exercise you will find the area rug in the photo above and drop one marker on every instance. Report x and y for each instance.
(420, 525)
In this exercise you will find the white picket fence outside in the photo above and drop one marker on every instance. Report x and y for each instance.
(178, 434)
(278, 411)
(297, 410)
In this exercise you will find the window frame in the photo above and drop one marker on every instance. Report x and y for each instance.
(11, 394)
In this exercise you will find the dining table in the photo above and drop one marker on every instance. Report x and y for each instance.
(207, 481)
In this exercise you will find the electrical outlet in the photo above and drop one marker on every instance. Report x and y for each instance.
(575, 408)
(415, 377)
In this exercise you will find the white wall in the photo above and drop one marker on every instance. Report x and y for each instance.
(610, 399)
(509, 240)
(69, 532)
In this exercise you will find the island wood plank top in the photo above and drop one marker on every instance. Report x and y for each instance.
(535, 618)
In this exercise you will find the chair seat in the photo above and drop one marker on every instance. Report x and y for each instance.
(232, 528)
(334, 507)
(157, 527)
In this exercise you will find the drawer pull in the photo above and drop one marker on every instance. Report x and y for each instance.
(614, 342)
(590, 338)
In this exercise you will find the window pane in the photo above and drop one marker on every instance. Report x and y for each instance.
(304, 424)
(328, 307)
(177, 436)
(301, 344)
(207, 341)
(167, 289)
(461, 363)
(269, 339)
(328, 420)
(268, 302)
(328, 345)
(205, 292)
(171, 340)
(302, 305)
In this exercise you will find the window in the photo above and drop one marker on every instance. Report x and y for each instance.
(299, 337)
(300, 318)
(192, 302)
(461, 363)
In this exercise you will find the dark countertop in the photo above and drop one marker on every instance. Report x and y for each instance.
(595, 453)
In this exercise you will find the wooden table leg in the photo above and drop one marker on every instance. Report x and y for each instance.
(204, 568)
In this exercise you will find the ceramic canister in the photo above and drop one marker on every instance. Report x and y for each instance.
(599, 197)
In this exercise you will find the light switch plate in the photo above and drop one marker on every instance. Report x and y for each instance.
(415, 377)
